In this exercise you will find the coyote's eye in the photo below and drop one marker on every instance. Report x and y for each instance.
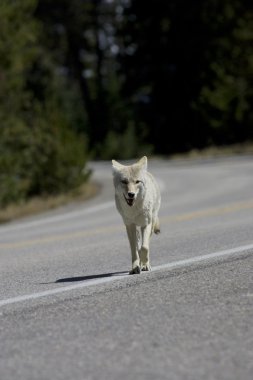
(124, 181)
(138, 181)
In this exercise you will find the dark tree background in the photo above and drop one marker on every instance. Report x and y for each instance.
(190, 71)
(104, 78)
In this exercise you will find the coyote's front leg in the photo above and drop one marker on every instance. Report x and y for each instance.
(144, 251)
(131, 233)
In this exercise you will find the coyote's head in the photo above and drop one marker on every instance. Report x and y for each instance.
(129, 180)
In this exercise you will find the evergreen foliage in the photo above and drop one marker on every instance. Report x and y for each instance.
(39, 151)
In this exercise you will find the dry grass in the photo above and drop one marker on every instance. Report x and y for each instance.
(40, 204)
(215, 151)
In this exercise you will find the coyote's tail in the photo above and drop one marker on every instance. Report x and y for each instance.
(156, 226)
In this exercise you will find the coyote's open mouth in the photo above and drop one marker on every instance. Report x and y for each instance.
(129, 201)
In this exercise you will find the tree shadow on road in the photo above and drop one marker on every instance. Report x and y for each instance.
(90, 277)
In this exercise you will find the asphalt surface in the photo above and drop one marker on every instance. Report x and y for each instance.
(68, 308)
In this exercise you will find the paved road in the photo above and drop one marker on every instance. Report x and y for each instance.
(68, 309)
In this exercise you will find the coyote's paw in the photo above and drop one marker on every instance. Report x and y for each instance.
(146, 267)
(135, 270)
(144, 259)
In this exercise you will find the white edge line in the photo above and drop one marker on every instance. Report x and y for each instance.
(57, 218)
(172, 265)
(197, 259)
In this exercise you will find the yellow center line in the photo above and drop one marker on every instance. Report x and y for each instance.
(230, 208)
(233, 207)
(59, 237)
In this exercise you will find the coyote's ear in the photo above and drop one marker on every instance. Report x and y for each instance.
(143, 162)
(116, 165)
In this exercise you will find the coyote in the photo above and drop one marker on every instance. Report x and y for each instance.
(138, 199)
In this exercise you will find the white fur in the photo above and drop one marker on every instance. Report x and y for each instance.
(135, 181)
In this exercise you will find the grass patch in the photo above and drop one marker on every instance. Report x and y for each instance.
(40, 204)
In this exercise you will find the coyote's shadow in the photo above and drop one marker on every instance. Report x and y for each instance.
(89, 277)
